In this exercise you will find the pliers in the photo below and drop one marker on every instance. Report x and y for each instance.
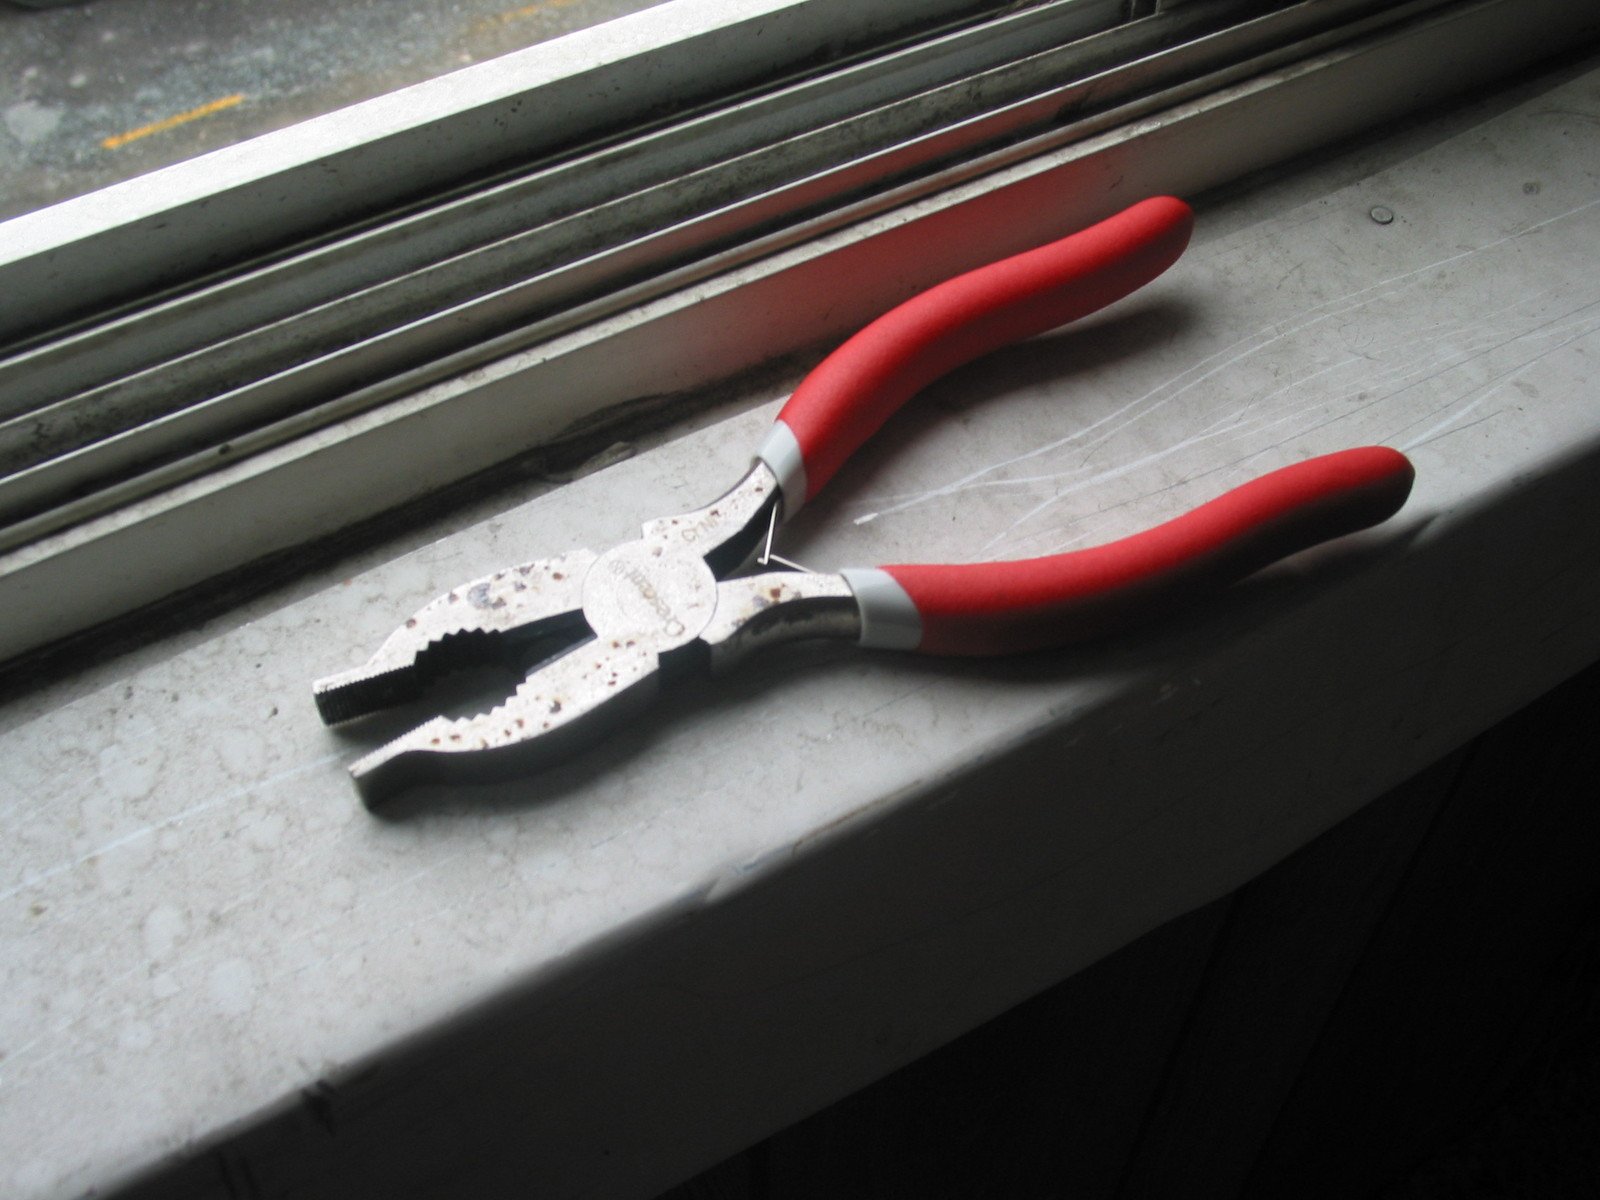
(606, 631)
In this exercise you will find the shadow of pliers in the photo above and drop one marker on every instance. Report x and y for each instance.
(608, 630)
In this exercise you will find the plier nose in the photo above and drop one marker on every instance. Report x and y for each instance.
(600, 633)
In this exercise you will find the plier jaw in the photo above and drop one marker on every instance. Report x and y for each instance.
(486, 620)
(603, 632)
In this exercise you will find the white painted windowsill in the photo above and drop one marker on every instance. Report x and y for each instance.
(792, 880)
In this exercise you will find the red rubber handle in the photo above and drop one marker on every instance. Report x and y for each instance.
(862, 383)
(1006, 607)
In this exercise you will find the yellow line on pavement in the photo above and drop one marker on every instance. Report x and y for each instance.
(517, 14)
(172, 122)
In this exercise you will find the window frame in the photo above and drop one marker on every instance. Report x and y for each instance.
(406, 435)
(174, 225)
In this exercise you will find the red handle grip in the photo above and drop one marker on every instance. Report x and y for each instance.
(1003, 608)
(861, 384)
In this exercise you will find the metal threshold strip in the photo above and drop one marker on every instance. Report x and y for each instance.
(347, 432)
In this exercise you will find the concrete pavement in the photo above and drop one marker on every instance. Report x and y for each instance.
(105, 90)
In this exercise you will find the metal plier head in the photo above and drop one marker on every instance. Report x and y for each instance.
(608, 629)
(600, 633)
